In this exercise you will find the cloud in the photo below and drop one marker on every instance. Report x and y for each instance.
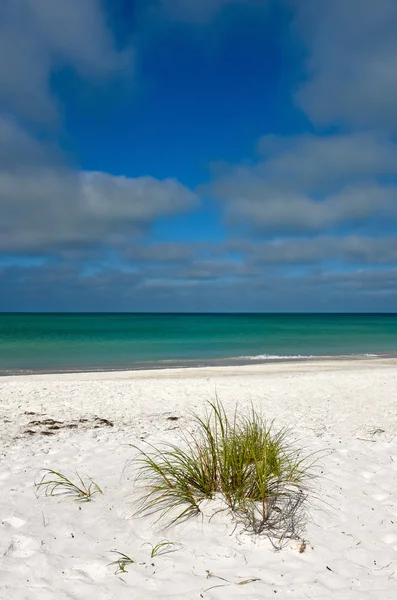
(221, 269)
(43, 209)
(162, 252)
(370, 282)
(64, 287)
(18, 148)
(46, 206)
(352, 61)
(309, 161)
(313, 208)
(313, 184)
(38, 36)
(346, 250)
(54, 287)
(250, 200)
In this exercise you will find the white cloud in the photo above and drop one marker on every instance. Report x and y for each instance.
(352, 61)
(313, 184)
(267, 208)
(47, 208)
(37, 36)
(44, 204)
(309, 161)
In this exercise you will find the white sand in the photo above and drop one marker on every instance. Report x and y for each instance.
(57, 549)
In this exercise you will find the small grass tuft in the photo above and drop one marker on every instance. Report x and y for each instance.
(259, 473)
(54, 483)
(122, 562)
(163, 547)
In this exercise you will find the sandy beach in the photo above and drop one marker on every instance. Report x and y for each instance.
(52, 548)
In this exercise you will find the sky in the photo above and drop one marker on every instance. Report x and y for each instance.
(198, 155)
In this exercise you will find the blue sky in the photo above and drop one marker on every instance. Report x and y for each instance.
(188, 155)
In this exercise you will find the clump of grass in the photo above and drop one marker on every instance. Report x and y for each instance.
(122, 562)
(163, 547)
(261, 476)
(54, 483)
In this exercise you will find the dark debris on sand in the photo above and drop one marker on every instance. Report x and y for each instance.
(49, 427)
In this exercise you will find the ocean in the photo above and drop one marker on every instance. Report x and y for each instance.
(99, 341)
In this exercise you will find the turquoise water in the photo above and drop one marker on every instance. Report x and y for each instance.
(47, 342)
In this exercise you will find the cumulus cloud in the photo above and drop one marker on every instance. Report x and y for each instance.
(43, 209)
(352, 61)
(45, 205)
(313, 184)
(37, 36)
(314, 206)
(325, 203)
(310, 161)
(265, 208)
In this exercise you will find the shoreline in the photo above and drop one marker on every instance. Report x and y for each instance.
(213, 364)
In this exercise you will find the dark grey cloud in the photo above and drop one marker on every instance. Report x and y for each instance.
(199, 270)
(160, 252)
(352, 61)
(371, 282)
(63, 288)
(346, 250)
(359, 290)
